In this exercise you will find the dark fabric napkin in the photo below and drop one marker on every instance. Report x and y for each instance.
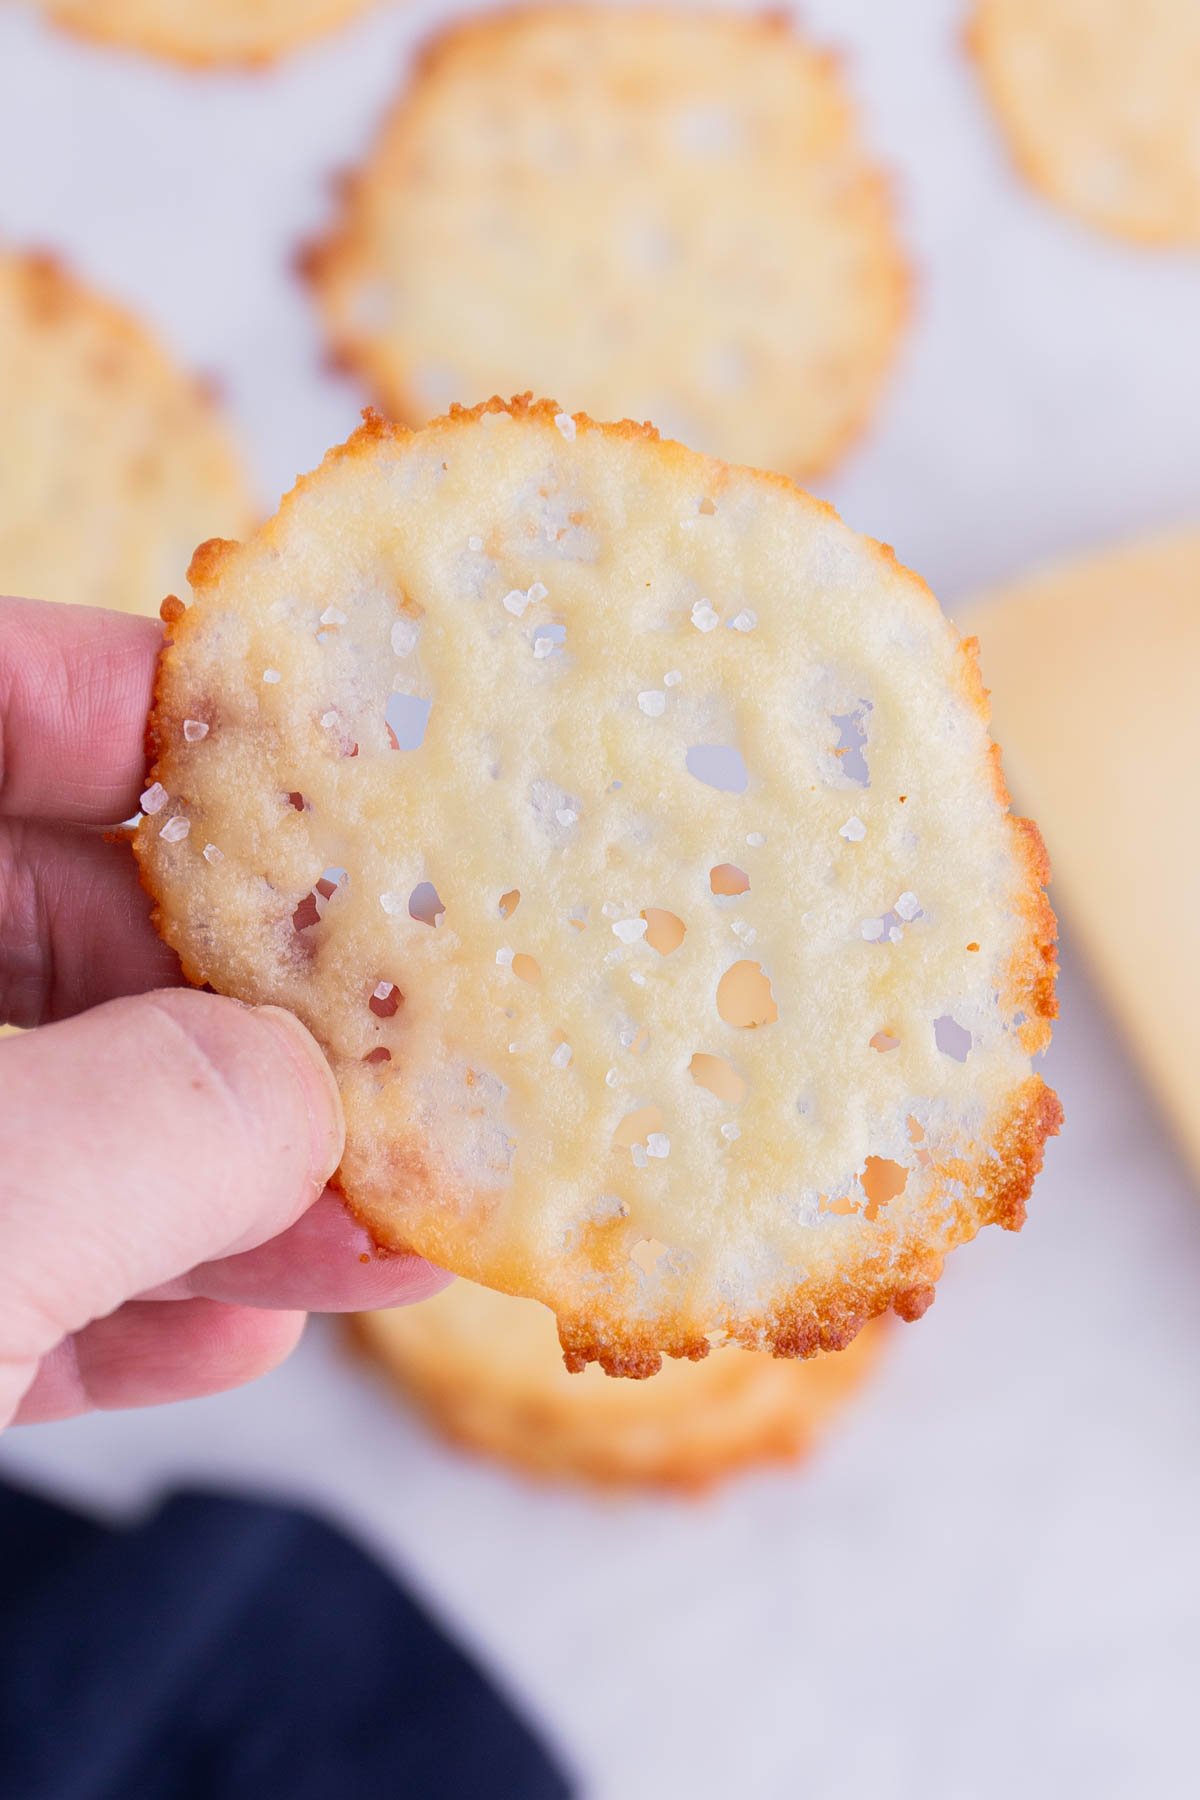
(226, 1649)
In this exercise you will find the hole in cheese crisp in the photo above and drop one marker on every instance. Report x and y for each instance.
(298, 801)
(379, 1055)
(884, 1041)
(744, 997)
(727, 878)
(525, 968)
(851, 746)
(509, 903)
(719, 766)
(424, 905)
(385, 1000)
(636, 1127)
(647, 1253)
(882, 1180)
(407, 716)
(718, 1076)
(664, 931)
(952, 1039)
(306, 914)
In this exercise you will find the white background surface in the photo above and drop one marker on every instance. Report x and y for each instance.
(989, 1580)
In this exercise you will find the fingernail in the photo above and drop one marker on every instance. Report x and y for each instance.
(325, 1118)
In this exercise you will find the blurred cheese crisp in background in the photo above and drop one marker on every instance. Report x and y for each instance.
(487, 1370)
(205, 32)
(648, 214)
(113, 463)
(1093, 665)
(1100, 102)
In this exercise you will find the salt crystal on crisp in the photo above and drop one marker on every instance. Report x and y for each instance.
(672, 678)
(630, 930)
(537, 591)
(653, 703)
(332, 616)
(610, 1079)
(543, 647)
(504, 956)
(872, 930)
(610, 911)
(154, 798)
(745, 620)
(212, 854)
(658, 1144)
(639, 1155)
(566, 815)
(562, 1057)
(907, 906)
(404, 637)
(515, 602)
(194, 730)
(703, 616)
(638, 979)
(270, 676)
(895, 933)
(854, 831)
(731, 1131)
(742, 929)
(383, 989)
(755, 839)
(175, 829)
(566, 425)
(474, 543)
(329, 719)
(393, 904)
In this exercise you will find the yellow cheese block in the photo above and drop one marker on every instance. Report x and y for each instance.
(1094, 667)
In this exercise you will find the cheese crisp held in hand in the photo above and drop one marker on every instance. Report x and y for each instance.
(628, 831)
(666, 215)
(111, 460)
(488, 1373)
(206, 32)
(1100, 101)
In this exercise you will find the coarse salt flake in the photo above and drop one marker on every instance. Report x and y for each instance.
(731, 1131)
(629, 930)
(329, 720)
(638, 1153)
(658, 1144)
(566, 425)
(154, 798)
(610, 911)
(637, 978)
(895, 933)
(404, 637)
(854, 831)
(907, 906)
(333, 616)
(566, 815)
(382, 990)
(271, 676)
(515, 602)
(393, 904)
(610, 1079)
(537, 591)
(744, 621)
(703, 616)
(504, 956)
(743, 929)
(872, 930)
(194, 730)
(543, 647)
(562, 1057)
(653, 703)
(474, 543)
(212, 854)
(175, 829)
(755, 839)
(672, 678)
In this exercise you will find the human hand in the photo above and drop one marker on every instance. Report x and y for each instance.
(164, 1219)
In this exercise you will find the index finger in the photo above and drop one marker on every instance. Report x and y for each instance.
(75, 689)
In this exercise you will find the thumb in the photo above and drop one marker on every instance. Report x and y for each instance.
(142, 1138)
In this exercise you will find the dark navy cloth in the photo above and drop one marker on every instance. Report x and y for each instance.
(230, 1650)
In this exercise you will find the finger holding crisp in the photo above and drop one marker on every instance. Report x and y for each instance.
(628, 832)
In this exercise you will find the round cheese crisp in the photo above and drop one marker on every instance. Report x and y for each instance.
(111, 460)
(206, 31)
(627, 830)
(1100, 100)
(662, 215)
(487, 1371)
